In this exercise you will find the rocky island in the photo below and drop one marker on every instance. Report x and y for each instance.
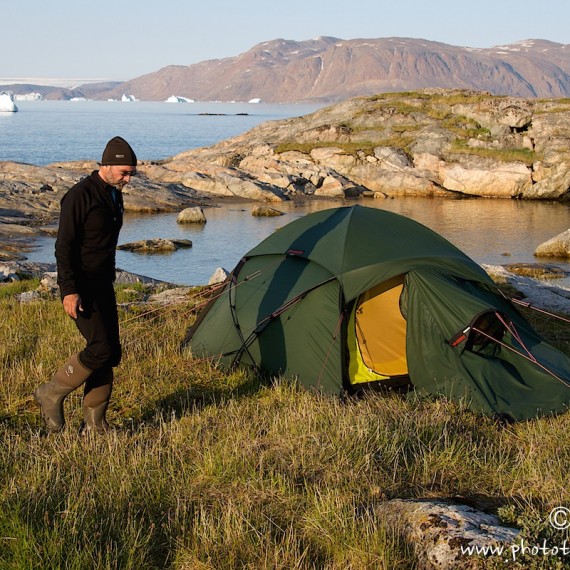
(441, 143)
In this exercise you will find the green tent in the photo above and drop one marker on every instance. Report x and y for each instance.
(356, 297)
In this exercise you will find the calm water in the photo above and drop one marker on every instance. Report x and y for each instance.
(43, 132)
(490, 231)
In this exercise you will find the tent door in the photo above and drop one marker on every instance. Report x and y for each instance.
(377, 334)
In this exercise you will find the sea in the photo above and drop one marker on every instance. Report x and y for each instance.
(490, 231)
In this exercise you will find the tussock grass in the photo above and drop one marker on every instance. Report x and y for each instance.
(209, 470)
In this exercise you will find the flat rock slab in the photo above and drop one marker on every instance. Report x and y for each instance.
(442, 533)
(157, 245)
(536, 270)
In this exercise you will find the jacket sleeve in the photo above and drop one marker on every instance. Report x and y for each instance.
(67, 244)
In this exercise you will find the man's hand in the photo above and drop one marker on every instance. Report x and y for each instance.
(72, 304)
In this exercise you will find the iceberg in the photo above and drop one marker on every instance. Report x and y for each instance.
(7, 102)
(178, 99)
(255, 100)
(29, 97)
(128, 98)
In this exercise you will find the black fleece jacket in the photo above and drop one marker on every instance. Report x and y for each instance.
(89, 224)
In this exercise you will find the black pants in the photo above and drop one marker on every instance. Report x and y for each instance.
(99, 325)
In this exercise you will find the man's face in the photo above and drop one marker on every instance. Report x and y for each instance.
(117, 175)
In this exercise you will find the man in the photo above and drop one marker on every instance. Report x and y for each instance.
(90, 220)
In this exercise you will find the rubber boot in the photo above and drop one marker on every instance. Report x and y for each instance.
(96, 401)
(50, 396)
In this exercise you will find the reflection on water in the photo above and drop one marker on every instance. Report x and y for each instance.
(495, 232)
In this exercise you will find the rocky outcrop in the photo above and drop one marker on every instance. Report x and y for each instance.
(37, 190)
(558, 246)
(430, 143)
(30, 199)
(537, 291)
(214, 180)
(11, 271)
(17, 270)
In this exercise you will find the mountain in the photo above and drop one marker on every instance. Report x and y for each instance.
(328, 69)
(87, 90)
(331, 69)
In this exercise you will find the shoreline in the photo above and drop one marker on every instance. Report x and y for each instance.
(16, 239)
(542, 293)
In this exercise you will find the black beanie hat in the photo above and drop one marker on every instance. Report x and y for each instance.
(118, 152)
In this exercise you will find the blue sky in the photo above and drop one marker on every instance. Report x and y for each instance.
(123, 39)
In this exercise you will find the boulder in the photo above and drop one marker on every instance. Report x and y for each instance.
(48, 282)
(558, 246)
(431, 139)
(331, 187)
(193, 215)
(441, 533)
(407, 182)
(551, 181)
(265, 211)
(515, 117)
(7, 275)
(485, 177)
(28, 296)
(219, 276)
(429, 163)
(392, 158)
(128, 278)
(333, 157)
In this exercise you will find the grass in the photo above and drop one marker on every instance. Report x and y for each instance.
(457, 97)
(523, 155)
(8, 290)
(356, 148)
(466, 128)
(209, 470)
